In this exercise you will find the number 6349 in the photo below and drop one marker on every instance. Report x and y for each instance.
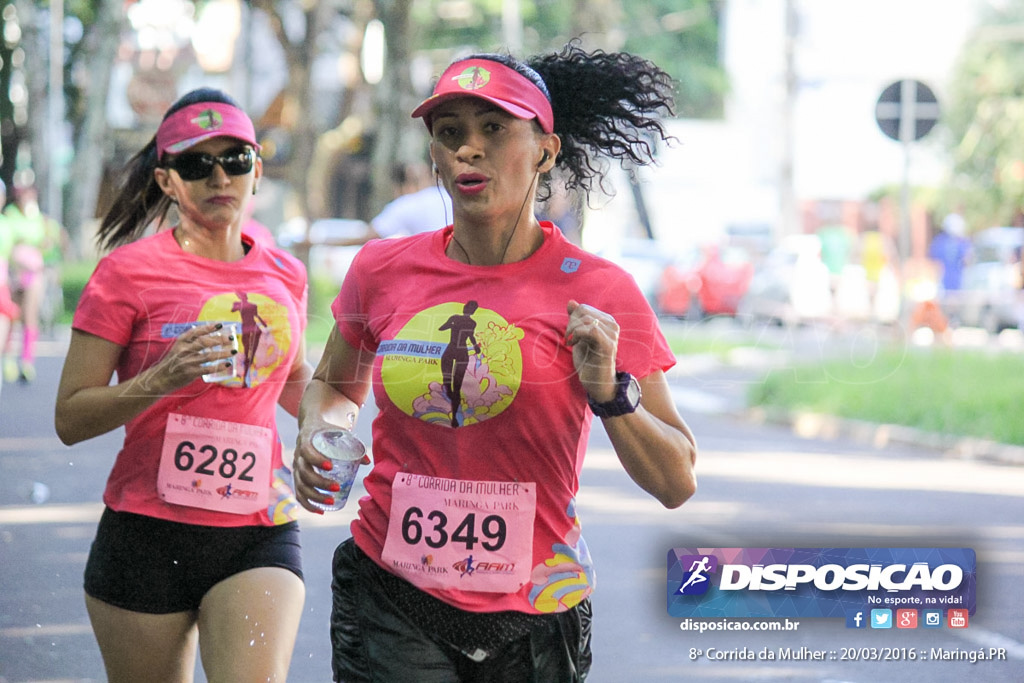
(432, 529)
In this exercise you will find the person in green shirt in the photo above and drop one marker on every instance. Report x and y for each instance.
(35, 236)
(9, 311)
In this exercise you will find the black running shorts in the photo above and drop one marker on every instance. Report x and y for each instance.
(376, 639)
(150, 565)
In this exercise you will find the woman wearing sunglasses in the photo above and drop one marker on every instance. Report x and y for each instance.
(466, 562)
(198, 547)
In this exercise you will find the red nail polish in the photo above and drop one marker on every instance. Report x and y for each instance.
(327, 465)
(329, 501)
(335, 486)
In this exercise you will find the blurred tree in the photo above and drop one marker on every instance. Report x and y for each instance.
(681, 36)
(421, 36)
(683, 39)
(32, 160)
(985, 119)
(397, 135)
(90, 65)
(300, 46)
(8, 132)
(89, 40)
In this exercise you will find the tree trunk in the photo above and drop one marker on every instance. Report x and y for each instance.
(395, 139)
(91, 136)
(33, 42)
(299, 94)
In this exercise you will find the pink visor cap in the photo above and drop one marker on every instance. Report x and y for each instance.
(201, 121)
(494, 82)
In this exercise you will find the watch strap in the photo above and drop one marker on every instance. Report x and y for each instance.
(622, 404)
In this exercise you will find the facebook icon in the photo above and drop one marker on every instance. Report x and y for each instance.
(856, 619)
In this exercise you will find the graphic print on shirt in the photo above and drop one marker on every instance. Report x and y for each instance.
(565, 579)
(283, 507)
(252, 331)
(265, 338)
(454, 364)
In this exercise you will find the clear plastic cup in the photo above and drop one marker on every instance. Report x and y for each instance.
(222, 371)
(346, 453)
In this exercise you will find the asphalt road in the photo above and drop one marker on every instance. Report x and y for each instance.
(760, 486)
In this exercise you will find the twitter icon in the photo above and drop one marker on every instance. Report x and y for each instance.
(881, 618)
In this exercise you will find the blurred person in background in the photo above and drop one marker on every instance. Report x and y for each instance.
(259, 232)
(837, 242)
(561, 209)
(878, 258)
(9, 311)
(420, 205)
(34, 266)
(951, 250)
(559, 336)
(197, 548)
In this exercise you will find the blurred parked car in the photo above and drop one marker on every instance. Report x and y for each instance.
(991, 284)
(705, 281)
(791, 286)
(988, 297)
(999, 244)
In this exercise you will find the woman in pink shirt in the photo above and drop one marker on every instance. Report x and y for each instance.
(198, 547)
(490, 346)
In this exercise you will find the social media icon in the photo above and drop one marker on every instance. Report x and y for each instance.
(906, 618)
(856, 619)
(881, 618)
(957, 618)
(932, 618)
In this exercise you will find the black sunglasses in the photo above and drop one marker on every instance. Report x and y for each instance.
(199, 165)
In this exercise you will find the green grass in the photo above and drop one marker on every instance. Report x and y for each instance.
(73, 276)
(322, 291)
(962, 392)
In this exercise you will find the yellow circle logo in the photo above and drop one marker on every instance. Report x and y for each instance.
(264, 333)
(453, 364)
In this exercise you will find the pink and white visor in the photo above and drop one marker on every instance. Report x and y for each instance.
(494, 82)
(201, 121)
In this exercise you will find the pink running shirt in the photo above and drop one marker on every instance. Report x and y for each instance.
(482, 423)
(141, 296)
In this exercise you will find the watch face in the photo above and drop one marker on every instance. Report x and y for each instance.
(633, 392)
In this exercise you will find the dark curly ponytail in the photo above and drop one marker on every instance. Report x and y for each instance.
(606, 104)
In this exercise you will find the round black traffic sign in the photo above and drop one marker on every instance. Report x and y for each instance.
(911, 100)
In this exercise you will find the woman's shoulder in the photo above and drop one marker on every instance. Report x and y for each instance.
(572, 254)
(282, 259)
(140, 252)
(388, 250)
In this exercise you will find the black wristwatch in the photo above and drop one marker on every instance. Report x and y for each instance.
(627, 397)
